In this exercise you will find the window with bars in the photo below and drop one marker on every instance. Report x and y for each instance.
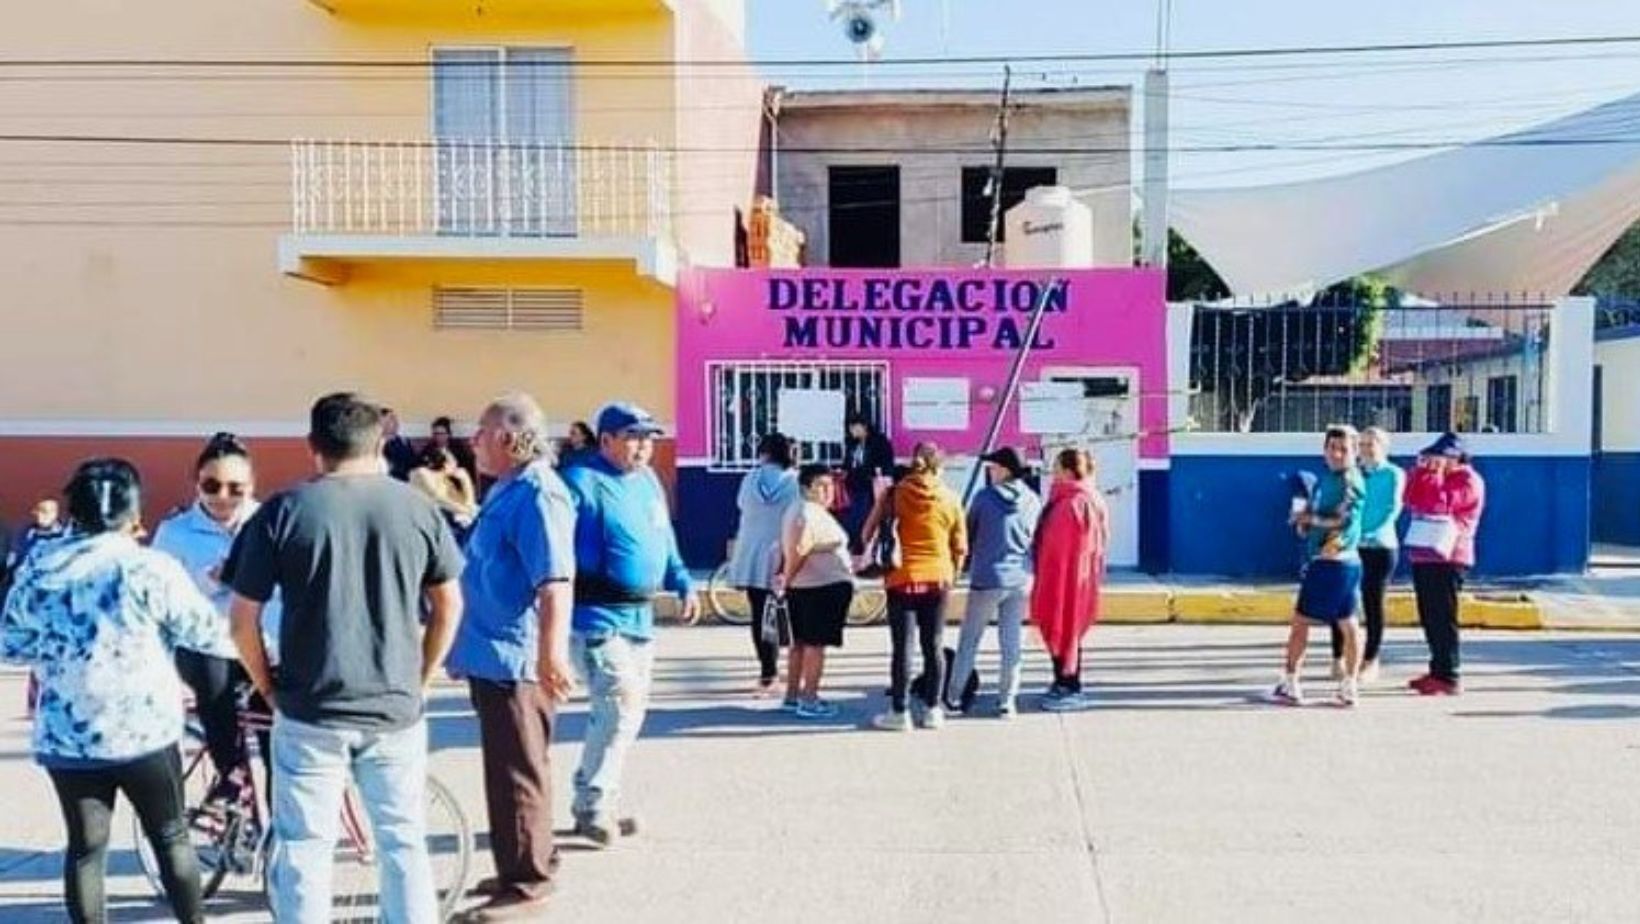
(746, 400)
(529, 309)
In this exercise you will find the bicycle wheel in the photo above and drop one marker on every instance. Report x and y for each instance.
(213, 837)
(729, 604)
(356, 882)
(869, 606)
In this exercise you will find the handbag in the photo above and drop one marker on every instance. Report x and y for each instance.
(773, 621)
(886, 554)
(841, 499)
(1437, 534)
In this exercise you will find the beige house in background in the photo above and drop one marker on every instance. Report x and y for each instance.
(426, 200)
(892, 208)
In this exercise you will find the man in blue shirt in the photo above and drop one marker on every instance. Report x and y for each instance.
(513, 647)
(626, 553)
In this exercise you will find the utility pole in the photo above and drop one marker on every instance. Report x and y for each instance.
(1153, 228)
(999, 139)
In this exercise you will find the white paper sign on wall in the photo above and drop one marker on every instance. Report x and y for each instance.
(935, 403)
(811, 415)
(1053, 408)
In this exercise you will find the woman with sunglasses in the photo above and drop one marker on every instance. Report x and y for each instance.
(199, 536)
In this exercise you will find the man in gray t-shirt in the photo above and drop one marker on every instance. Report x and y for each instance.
(353, 555)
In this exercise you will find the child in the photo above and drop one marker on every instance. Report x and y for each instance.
(1330, 588)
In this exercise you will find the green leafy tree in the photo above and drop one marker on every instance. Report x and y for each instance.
(1617, 272)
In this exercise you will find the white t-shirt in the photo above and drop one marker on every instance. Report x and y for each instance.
(818, 531)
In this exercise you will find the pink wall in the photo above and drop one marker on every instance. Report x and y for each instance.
(924, 323)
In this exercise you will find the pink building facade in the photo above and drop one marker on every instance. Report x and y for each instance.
(926, 355)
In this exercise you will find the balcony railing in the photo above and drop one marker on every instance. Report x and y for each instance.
(485, 188)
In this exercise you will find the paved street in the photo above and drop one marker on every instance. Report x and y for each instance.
(1176, 799)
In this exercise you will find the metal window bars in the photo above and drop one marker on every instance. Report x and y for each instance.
(745, 403)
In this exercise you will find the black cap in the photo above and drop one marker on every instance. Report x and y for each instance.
(1008, 458)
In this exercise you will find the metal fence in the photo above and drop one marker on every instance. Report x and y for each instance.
(479, 188)
(1471, 365)
(746, 404)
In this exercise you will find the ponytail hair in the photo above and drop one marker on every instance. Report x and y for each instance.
(221, 446)
(926, 459)
(1075, 462)
(105, 495)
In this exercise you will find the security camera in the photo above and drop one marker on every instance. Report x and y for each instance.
(860, 28)
(859, 20)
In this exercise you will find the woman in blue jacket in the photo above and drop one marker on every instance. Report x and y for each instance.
(97, 617)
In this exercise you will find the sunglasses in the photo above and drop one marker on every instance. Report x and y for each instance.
(210, 487)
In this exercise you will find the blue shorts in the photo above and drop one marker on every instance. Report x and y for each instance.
(1330, 590)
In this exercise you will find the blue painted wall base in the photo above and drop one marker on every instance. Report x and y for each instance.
(1228, 515)
(1616, 498)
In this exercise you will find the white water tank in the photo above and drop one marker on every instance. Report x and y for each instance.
(1050, 229)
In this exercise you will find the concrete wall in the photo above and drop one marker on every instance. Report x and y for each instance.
(931, 184)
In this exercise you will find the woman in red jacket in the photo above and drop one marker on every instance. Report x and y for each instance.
(1071, 539)
(1445, 496)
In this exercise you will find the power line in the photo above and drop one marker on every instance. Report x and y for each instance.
(969, 60)
(953, 150)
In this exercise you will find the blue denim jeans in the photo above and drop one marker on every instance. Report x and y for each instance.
(617, 672)
(311, 769)
(1007, 606)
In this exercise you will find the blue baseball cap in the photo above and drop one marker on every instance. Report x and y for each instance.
(1447, 445)
(622, 417)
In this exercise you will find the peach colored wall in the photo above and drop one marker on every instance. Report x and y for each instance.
(37, 467)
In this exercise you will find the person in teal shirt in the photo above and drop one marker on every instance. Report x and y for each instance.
(1331, 586)
(1380, 547)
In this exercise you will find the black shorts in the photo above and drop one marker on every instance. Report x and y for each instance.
(817, 613)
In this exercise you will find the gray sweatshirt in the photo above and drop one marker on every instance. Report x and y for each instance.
(1001, 525)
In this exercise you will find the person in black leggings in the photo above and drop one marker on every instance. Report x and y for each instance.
(154, 786)
(925, 518)
(96, 616)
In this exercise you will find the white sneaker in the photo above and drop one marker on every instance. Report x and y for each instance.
(1369, 672)
(1007, 709)
(1348, 693)
(893, 721)
(933, 718)
(1288, 692)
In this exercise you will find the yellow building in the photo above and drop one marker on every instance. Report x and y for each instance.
(430, 200)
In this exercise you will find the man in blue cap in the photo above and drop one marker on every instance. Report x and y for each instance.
(626, 552)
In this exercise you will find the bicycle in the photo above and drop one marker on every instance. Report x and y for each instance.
(236, 839)
(730, 605)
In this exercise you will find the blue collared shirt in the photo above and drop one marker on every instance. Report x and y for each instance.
(524, 538)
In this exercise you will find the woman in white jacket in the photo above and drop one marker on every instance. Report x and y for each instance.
(765, 495)
(199, 536)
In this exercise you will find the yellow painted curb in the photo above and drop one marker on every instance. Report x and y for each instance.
(1502, 614)
(1256, 606)
(1136, 607)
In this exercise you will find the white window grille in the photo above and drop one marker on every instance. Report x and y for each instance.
(531, 309)
(745, 401)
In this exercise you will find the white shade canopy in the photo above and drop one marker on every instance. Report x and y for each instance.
(1528, 212)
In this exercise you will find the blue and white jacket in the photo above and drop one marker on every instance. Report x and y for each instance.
(98, 618)
(201, 544)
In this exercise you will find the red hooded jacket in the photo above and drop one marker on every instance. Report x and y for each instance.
(1458, 493)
